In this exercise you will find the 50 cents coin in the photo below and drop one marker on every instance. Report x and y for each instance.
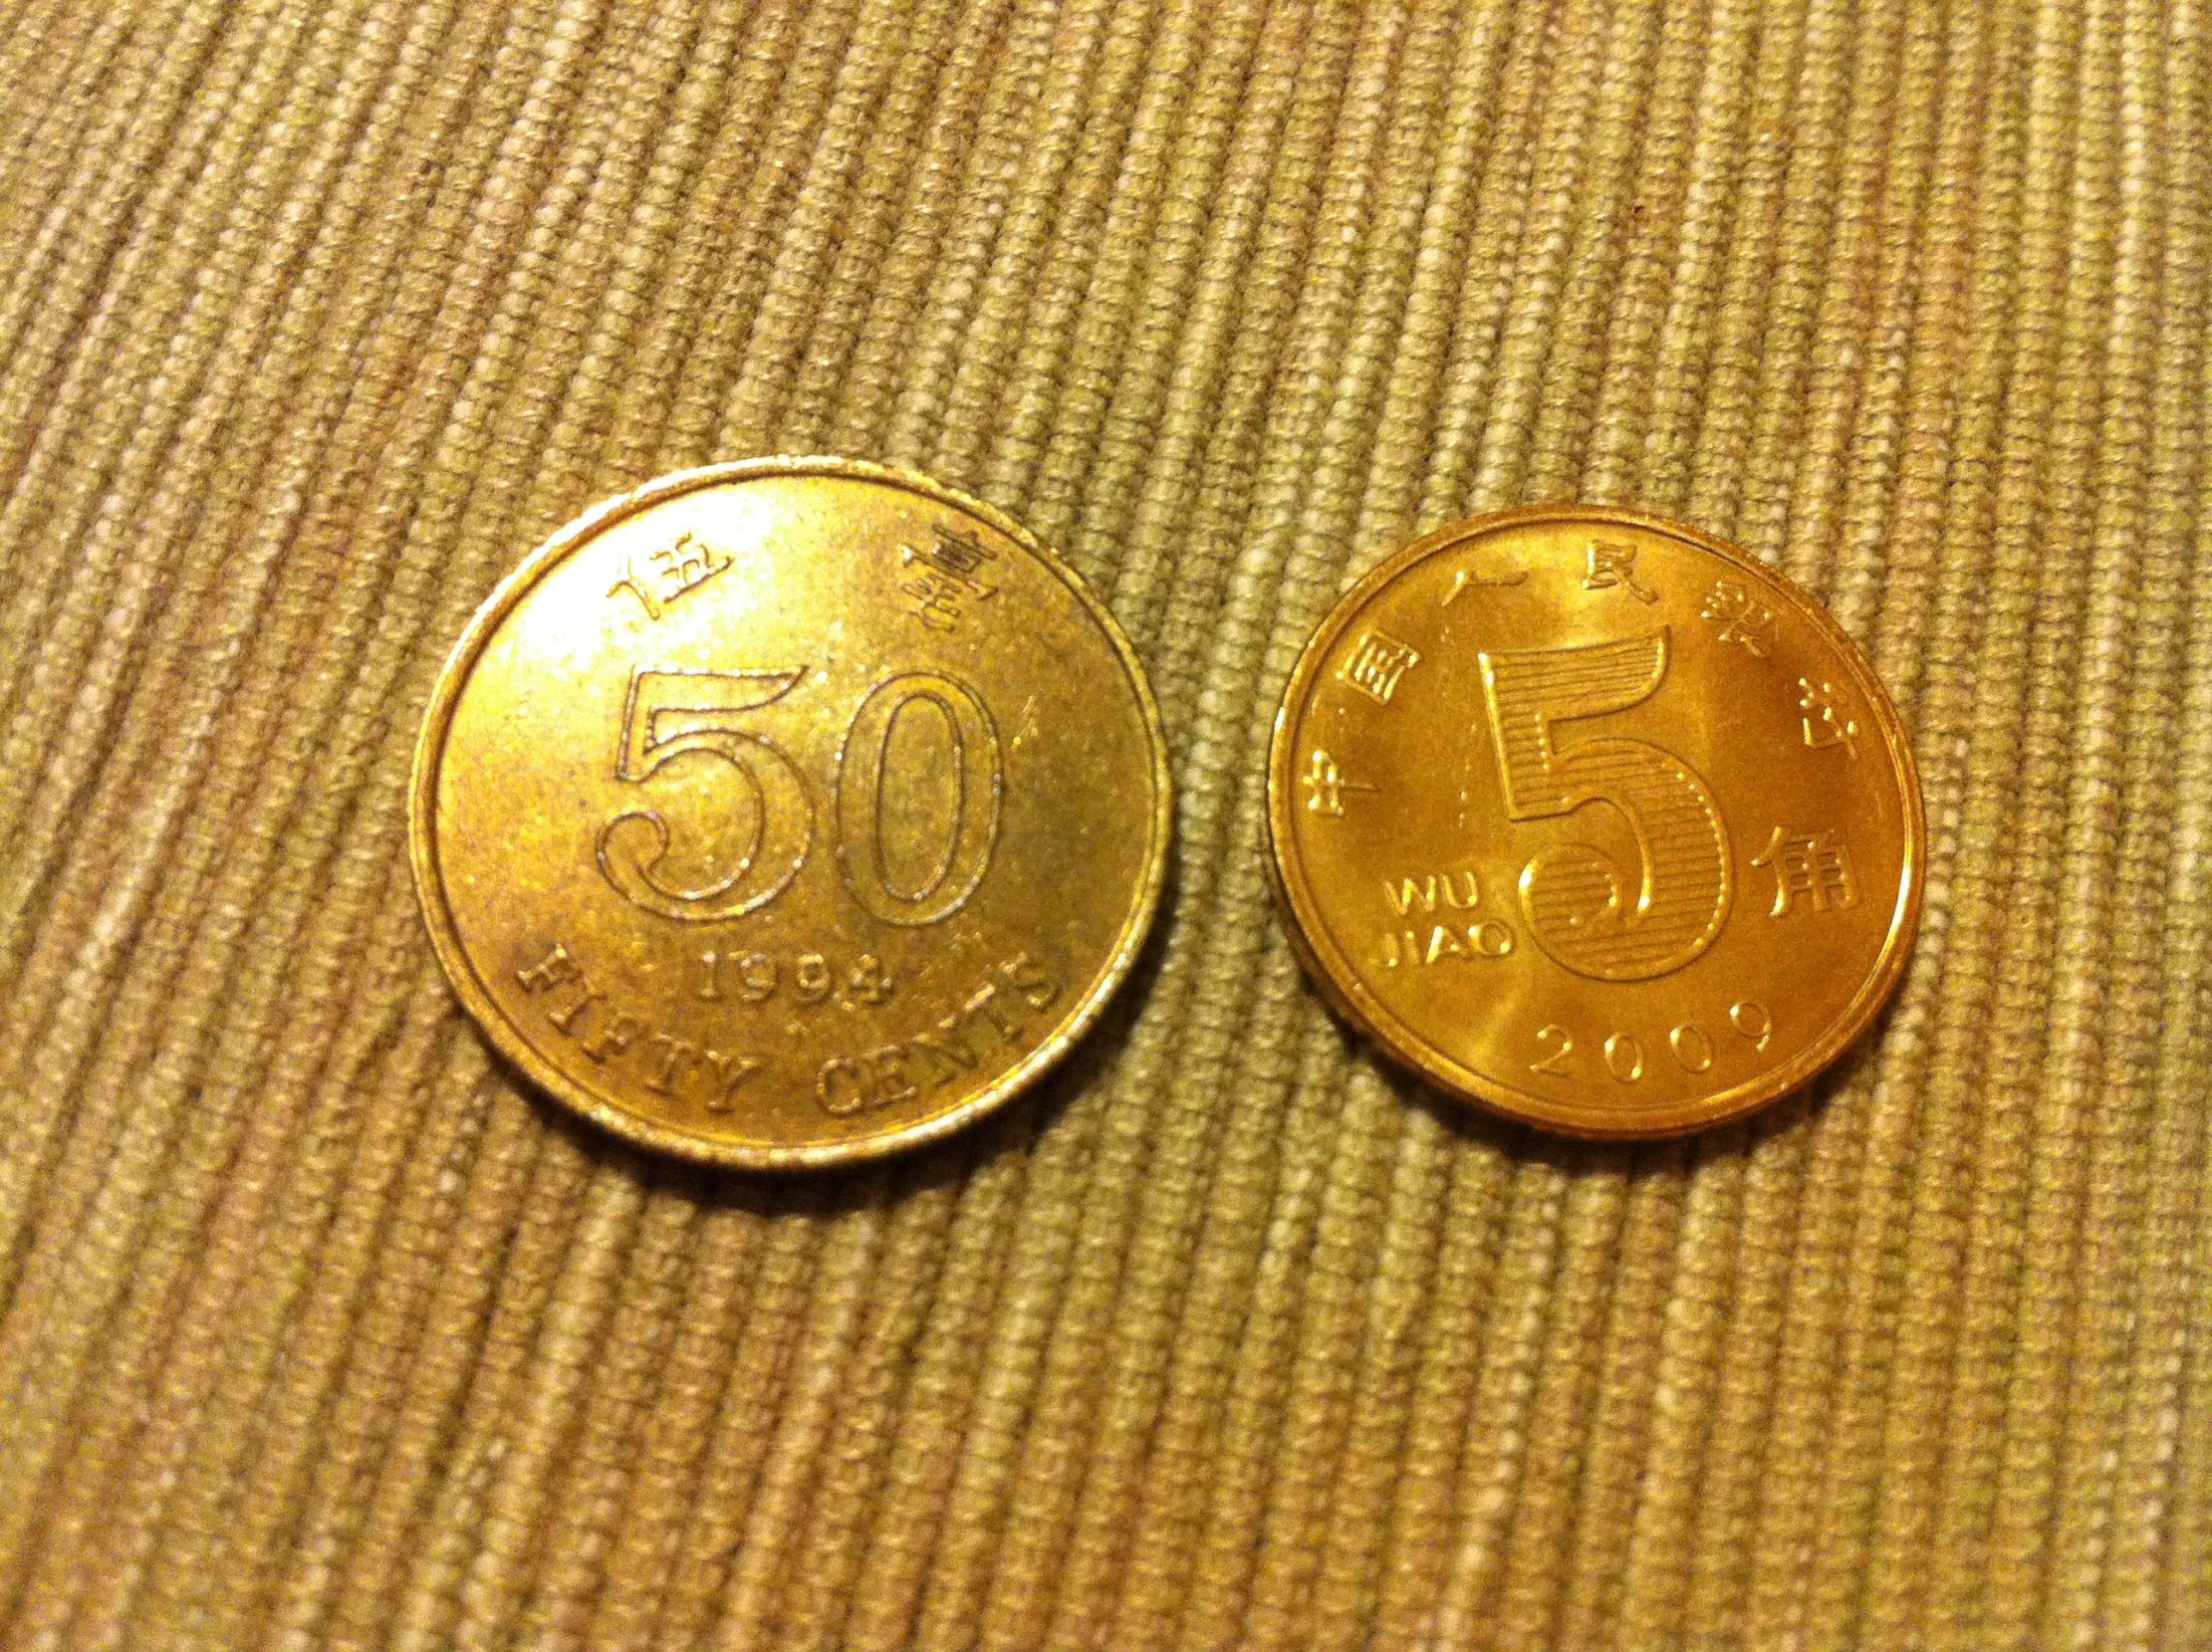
(1595, 821)
(788, 812)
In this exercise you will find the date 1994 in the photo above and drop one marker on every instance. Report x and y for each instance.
(807, 977)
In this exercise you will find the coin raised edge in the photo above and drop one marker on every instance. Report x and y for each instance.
(468, 984)
(1340, 984)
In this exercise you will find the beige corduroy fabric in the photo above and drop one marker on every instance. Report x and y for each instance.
(316, 1329)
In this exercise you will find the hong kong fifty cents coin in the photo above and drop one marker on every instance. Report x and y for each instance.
(788, 812)
(1595, 821)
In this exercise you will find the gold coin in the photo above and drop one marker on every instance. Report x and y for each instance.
(789, 812)
(1595, 821)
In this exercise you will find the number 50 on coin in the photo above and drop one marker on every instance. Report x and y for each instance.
(789, 812)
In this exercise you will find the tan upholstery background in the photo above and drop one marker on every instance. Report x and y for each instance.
(314, 315)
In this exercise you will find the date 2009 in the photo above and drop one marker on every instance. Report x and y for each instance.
(1622, 1054)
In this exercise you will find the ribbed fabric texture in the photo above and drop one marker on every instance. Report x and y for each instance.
(317, 1331)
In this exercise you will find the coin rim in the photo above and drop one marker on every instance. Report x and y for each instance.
(507, 1038)
(1340, 982)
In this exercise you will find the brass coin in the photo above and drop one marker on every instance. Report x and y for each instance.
(1595, 821)
(789, 812)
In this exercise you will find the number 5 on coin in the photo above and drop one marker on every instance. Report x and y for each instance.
(1655, 747)
(1573, 894)
(702, 712)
